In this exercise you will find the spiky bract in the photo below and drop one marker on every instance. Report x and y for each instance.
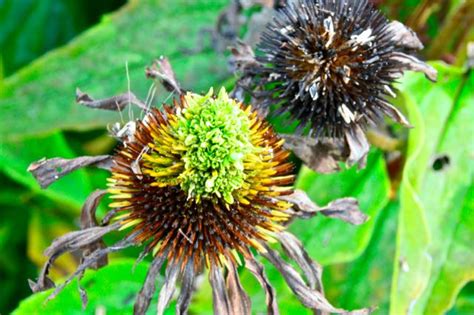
(329, 63)
(199, 180)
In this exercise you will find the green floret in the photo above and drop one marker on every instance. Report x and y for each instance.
(216, 134)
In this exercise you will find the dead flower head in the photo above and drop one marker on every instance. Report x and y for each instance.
(330, 65)
(202, 185)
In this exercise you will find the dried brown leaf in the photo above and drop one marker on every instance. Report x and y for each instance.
(162, 70)
(149, 286)
(239, 300)
(115, 103)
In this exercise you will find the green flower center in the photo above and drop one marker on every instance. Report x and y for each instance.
(216, 135)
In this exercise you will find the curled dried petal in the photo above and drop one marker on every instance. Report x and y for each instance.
(47, 171)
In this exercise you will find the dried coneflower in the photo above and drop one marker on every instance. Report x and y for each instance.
(330, 64)
(203, 184)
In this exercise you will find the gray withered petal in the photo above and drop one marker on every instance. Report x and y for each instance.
(220, 298)
(346, 209)
(187, 288)
(239, 300)
(295, 250)
(149, 286)
(309, 297)
(88, 220)
(47, 171)
(258, 270)
(168, 288)
(114, 103)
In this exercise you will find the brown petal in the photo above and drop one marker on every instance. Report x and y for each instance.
(48, 171)
(403, 36)
(187, 288)
(89, 220)
(258, 270)
(92, 259)
(78, 239)
(321, 156)
(220, 299)
(358, 146)
(295, 250)
(239, 300)
(309, 297)
(115, 103)
(168, 288)
(149, 286)
(346, 209)
(392, 112)
(412, 63)
(162, 70)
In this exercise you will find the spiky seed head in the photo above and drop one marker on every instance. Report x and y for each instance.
(329, 63)
(200, 180)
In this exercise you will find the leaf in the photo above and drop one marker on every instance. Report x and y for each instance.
(366, 281)
(110, 290)
(437, 177)
(330, 241)
(15, 157)
(40, 98)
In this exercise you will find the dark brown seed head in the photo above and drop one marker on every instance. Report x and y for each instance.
(330, 64)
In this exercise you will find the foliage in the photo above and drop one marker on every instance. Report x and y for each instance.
(415, 253)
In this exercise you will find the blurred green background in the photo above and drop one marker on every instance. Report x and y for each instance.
(416, 254)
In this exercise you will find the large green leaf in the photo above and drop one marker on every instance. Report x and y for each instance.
(433, 260)
(332, 241)
(40, 98)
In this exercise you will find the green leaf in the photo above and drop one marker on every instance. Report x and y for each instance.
(111, 289)
(332, 241)
(15, 157)
(40, 98)
(433, 226)
(366, 281)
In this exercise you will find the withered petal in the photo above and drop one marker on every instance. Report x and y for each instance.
(89, 261)
(412, 63)
(220, 298)
(239, 300)
(47, 171)
(320, 155)
(295, 250)
(149, 286)
(258, 270)
(358, 146)
(114, 103)
(88, 220)
(166, 292)
(309, 297)
(163, 71)
(346, 209)
(187, 287)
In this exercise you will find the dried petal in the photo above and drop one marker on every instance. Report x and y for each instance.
(220, 299)
(114, 103)
(89, 220)
(309, 297)
(320, 155)
(412, 63)
(346, 209)
(358, 146)
(48, 171)
(295, 250)
(239, 300)
(146, 293)
(162, 70)
(258, 270)
(187, 287)
(168, 288)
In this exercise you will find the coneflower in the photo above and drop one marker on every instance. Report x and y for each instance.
(330, 64)
(202, 185)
